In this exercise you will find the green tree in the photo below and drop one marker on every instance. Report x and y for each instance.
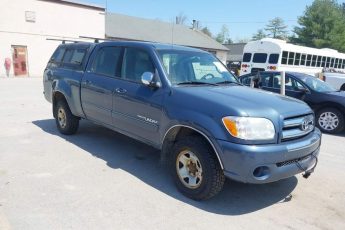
(181, 19)
(322, 25)
(277, 28)
(260, 34)
(223, 35)
(206, 31)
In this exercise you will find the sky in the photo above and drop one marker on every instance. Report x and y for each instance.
(242, 17)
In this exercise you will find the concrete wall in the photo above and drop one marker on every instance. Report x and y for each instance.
(52, 20)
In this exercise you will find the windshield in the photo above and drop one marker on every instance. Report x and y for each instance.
(318, 85)
(194, 67)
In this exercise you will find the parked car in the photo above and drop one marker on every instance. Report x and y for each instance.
(186, 103)
(337, 80)
(327, 102)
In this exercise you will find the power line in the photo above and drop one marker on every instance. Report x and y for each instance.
(241, 22)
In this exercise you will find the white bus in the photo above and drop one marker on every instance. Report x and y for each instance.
(277, 55)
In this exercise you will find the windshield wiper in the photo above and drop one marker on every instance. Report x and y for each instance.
(228, 82)
(195, 83)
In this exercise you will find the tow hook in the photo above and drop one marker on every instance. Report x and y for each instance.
(307, 173)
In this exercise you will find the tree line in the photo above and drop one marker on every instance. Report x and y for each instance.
(321, 26)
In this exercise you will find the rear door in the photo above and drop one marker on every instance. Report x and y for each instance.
(137, 109)
(98, 84)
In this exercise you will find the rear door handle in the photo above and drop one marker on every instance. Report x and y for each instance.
(120, 90)
(87, 82)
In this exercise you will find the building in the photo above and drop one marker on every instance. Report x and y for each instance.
(235, 52)
(123, 27)
(26, 24)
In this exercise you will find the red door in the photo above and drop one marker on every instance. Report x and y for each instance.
(19, 61)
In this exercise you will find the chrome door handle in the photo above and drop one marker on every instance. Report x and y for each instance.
(120, 90)
(87, 82)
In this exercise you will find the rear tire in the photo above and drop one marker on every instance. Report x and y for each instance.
(66, 122)
(195, 169)
(330, 120)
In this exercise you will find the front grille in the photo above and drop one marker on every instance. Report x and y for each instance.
(297, 127)
(293, 161)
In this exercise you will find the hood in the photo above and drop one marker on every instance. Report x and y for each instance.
(240, 101)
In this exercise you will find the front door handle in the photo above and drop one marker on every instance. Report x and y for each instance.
(120, 90)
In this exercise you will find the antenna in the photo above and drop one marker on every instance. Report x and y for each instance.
(172, 34)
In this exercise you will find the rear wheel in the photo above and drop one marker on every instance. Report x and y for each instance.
(195, 169)
(66, 122)
(330, 120)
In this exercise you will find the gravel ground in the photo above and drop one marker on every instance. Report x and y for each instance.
(99, 179)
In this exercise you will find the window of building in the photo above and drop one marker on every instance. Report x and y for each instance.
(284, 57)
(135, 63)
(107, 61)
(247, 57)
(273, 59)
(260, 58)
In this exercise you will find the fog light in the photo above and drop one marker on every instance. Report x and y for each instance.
(261, 173)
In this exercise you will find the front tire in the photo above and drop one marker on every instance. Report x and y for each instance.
(330, 120)
(195, 169)
(66, 122)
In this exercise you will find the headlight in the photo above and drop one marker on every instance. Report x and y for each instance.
(249, 128)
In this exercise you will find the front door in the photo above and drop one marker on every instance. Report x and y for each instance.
(137, 109)
(19, 61)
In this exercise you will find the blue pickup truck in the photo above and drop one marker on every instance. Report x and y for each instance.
(184, 102)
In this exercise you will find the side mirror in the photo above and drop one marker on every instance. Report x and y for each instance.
(148, 79)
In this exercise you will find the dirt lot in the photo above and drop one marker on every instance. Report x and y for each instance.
(99, 179)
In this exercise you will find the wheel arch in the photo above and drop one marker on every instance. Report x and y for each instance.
(178, 131)
(342, 87)
(330, 104)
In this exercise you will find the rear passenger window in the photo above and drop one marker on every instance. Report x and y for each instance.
(260, 58)
(285, 57)
(297, 59)
(291, 58)
(68, 56)
(73, 58)
(313, 63)
(247, 57)
(303, 59)
(308, 60)
(319, 58)
(273, 59)
(78, 56)
(135, 63)
(58, 55)
(107, 61)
